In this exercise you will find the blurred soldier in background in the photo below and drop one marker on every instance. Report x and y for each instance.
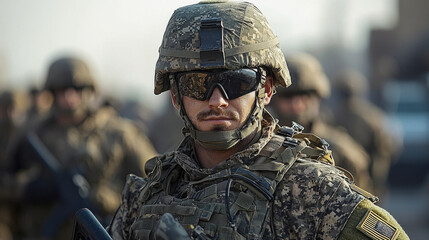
(138, 112)
(7, 133)
(366, 124)
(40, 103)
(301, 103)
(79, 153)
(167, 123)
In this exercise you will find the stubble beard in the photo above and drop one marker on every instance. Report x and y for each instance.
(233, 116)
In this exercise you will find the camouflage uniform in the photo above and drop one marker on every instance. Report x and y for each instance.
(312, 200)
(309, 78)
(103, 148)
(365, 123)
(281, 186)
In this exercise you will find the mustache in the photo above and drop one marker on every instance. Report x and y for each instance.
(217, 113)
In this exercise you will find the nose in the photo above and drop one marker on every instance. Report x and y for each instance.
(298, 104)
(217, 99)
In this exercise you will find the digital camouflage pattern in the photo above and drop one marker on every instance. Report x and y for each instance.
(248, 41)
(104, 148)
(313, 200)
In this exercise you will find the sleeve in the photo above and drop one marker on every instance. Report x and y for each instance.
(314, 202)
(369, 221)
(125, 215)
(335, 204)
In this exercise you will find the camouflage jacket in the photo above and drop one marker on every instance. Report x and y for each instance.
(310, 199)
(104, 149)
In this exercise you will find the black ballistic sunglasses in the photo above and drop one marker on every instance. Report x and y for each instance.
(232, 83)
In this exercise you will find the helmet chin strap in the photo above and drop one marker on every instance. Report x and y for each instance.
(222, 140)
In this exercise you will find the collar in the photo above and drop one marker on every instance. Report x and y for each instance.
(187, 158)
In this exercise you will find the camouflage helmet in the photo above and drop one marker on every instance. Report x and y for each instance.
(351, 83)
(240, 37)
(69, 72)
(307, 76)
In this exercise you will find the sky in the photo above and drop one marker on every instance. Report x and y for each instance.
(120, 39)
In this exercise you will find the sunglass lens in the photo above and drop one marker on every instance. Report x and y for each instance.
(235, 83)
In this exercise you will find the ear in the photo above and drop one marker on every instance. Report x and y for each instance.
(269, 89)
(173, 100)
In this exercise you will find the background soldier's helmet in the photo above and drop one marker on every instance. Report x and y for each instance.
(69, 72)
(351, 83)
(307, 76)
(243, 38)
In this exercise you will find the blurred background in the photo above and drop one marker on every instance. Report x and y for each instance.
(385, 40)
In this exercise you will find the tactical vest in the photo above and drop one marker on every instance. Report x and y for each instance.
(233, 203)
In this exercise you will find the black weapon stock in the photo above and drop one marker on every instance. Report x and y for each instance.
(72, 186)
(87, 227)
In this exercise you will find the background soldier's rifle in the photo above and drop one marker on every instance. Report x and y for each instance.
(72, 187)
(87, 227)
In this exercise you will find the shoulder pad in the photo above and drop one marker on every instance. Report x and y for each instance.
(368, 221)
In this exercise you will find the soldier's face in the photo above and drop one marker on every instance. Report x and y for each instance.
(301, 108)
(220, 114)
(68, 98)
(217, 113)
(72, 100)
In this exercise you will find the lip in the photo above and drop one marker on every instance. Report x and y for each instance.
(217, 119)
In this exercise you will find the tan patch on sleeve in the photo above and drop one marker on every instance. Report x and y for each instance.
(375, 227)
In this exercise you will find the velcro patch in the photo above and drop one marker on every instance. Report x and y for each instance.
(376, 227)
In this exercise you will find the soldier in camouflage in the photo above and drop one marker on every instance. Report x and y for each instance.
(237, 174)
(88, 139)
(366, 124)
(301, 102)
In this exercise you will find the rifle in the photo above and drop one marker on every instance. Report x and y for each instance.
(72, 186)
(87, 227)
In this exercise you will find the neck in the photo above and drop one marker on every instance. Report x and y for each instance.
(210, 158)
